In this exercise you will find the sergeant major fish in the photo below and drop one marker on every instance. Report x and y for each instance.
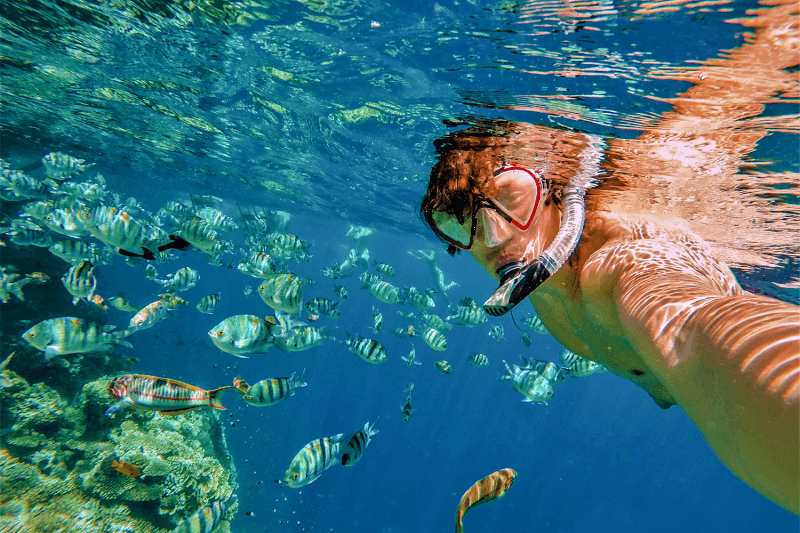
(496, 332)
(367, 349)
(122, 304)
(406, 409)
(182, 280)
(311, 461)
(66, 335)
(282, 292)
(478, 359)
(384, 268)
(268, 391)
(302, 338)
(443, 366)
(435, 339)
(377, 320)
(240, 334)
(383, 291)
(353, 448)
(80, 281)
(208, 304)
(578, 366)
(487, 489)
(167, 396)
(323, 306)
(412, 355)
(470, 314)
(205, 520)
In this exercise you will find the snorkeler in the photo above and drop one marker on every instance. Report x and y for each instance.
(638, 294)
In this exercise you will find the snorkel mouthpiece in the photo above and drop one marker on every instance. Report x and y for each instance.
(518, 281)
(516, 284)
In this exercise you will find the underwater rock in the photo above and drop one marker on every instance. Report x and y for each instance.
(56, 463)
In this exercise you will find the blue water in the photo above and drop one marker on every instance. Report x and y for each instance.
(601, 456)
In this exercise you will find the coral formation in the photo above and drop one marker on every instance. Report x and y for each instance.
(56, 464)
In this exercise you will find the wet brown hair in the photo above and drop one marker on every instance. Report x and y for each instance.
(469, 158)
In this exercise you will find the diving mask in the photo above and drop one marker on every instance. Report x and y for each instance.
(514, 198)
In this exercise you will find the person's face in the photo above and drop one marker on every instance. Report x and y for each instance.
(497, 242)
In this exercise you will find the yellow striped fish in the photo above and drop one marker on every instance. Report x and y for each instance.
(478, 359)
(369, 350)
(282, 292)
(268, 391)
(303, 338)
(80, 281)
(240, 334)
(199, 234)
(182, 280)
(310, 462)
(443, 366)
(205, 520)
(487, 489)
(353, 448)
(435, 339)
(65, 335)
(208, 304)
(383, 291)
(117, 228)
(580, 367)
(257, 264)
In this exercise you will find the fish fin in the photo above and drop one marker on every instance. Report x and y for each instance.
(50, 352)
(108, 328)
(216, 397)
(177, 243)
(240, 343)
(122, 404)
(122, 342)
(240, 356)
(126, 253)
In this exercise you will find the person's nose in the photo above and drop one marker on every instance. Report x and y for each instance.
(492, 228)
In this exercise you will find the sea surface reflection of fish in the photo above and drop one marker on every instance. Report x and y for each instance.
(66, 335)
(310, 462)
(167, 396)
(487, 489)
(268, 391)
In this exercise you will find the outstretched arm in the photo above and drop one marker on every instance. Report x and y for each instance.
(730, 359)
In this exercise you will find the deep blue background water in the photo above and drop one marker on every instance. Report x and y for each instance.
(601, 456)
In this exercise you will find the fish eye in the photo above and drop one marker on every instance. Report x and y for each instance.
(248, 397)
(31, 335)
(294, 477)
(220, 333)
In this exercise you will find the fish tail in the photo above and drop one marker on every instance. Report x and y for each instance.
(16, 290)
(215, 397)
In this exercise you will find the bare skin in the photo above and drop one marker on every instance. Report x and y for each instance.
(656, 308)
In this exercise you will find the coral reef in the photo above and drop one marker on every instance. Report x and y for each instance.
(57, 454)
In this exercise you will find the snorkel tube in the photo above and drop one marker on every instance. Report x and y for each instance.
(518, 280)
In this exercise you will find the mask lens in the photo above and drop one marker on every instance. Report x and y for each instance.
(517, 192)
(449, 226)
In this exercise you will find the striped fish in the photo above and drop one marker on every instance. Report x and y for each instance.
(526, 340)
(418, 299)
(478, 359)
(300, 339)
(216, 219)
(435, 321)
(268, 391)
(67, 222)
(412, 355)
(369, 350)
(288, 243)
(535, 324)
(208, 304)
(167, 396)
(527, 381)
(435, 339)
(443, 366)
(60, 166)
(353, 448)
(580, 367)
(117, 228)
(323, 306)
(377, 320)
(384, 268)
(65, 335)
(205, 520)
(257, 264)
(80, 281)
(73, 250)
(182, 280)
(282, 292)
(487, 489)
(310, 462)
(240, 334)
(150, 272)
(150, 315)
(470, 314)
(122, 304)
(341, 291)
(199, 234)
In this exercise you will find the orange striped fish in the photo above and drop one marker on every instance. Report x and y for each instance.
(487, 489)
